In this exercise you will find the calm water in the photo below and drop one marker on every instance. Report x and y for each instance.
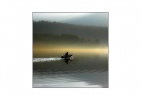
(82, 71)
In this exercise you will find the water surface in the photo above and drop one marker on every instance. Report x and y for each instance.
(82, 71)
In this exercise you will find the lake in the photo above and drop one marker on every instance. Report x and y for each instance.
(83, 71)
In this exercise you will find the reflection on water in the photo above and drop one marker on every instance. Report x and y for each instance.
(83, 71)
(78, 79)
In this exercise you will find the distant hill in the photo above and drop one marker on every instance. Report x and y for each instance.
(90, 20)
(90, 33)
(64, 39)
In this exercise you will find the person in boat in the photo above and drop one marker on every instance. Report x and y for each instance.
(66, 56)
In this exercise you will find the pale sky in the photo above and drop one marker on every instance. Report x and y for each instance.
(62, 16)
(56, 16)
(73, 18)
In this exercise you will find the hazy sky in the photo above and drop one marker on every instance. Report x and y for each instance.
(99, 19)
(56, 16)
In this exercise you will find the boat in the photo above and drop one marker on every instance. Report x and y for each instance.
(67, 57)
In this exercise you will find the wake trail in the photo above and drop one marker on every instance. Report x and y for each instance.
(45, 59)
